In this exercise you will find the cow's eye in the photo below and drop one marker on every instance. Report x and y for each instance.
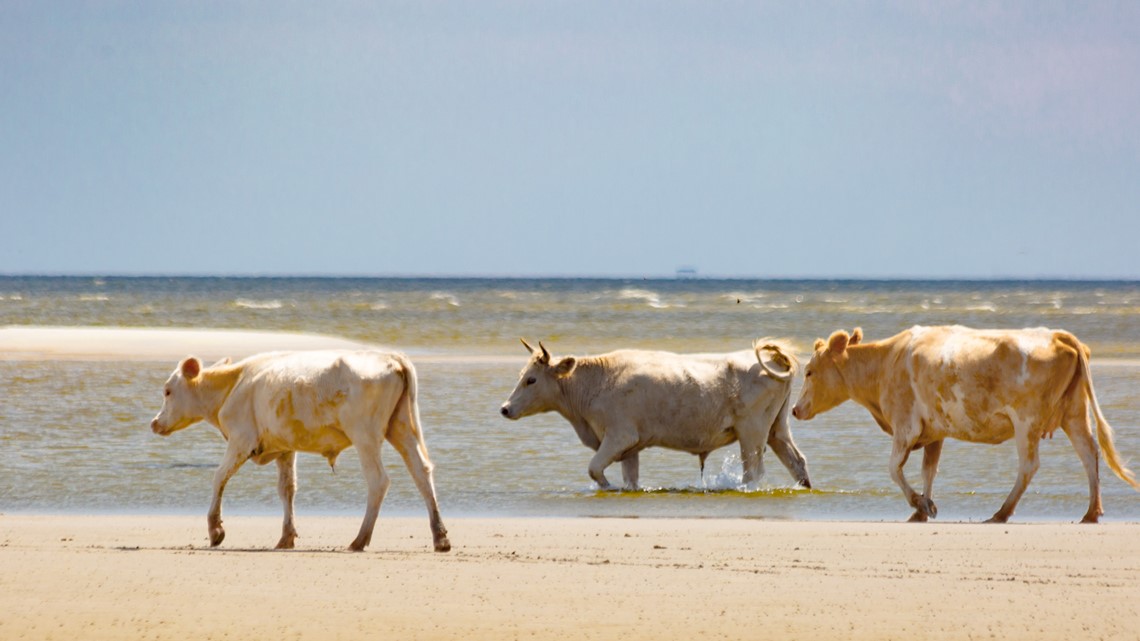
(531, 381)
(166, 393)
(807, 374)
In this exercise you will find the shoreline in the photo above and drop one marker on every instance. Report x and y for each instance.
(104, 577)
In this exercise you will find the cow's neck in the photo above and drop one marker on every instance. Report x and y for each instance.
(863, 373)
(578, 391)
(213, 387)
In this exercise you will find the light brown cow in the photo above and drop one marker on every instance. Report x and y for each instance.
(927, 384)
(625, 401)
(270, 406)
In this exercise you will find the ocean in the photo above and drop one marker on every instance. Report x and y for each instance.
(75, 437)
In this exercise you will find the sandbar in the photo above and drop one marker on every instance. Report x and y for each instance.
(153, 344)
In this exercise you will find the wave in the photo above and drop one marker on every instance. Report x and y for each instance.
(651, 298)
(446, 297)
(246, 303)
(744, 297)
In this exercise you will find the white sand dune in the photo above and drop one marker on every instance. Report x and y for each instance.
(152, 344)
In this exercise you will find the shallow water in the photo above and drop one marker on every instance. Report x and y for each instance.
(74, 435)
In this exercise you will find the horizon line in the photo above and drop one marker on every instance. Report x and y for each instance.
(654, 277)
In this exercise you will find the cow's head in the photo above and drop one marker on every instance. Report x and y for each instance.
(824, 385)
(537, 388)
(180, 405)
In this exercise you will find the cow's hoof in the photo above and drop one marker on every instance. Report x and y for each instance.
(217, 535)
(357, 545)
(443, 545)
(805, 483)
(926, 507)
(918, 517)
(286, 542)
(997, 518)
(1091, 518)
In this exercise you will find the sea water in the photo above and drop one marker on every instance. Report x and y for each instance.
(74, 436)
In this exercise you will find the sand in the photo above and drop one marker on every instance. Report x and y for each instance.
(153, 577)
(152, 344)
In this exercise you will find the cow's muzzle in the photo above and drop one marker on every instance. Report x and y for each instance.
(157, 428)
(800, 413)
(505, 410)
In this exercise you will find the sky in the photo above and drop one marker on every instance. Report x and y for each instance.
(762, 139)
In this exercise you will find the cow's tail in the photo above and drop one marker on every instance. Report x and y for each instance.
(1103, 429)
(781, 352)
(408, 405)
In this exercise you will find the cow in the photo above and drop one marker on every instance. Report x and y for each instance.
(270, 406)
(625, 401)
(927, 384)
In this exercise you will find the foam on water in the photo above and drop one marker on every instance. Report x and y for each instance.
(245, 303)
(651, 298)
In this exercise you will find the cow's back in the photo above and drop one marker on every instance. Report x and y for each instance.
(977, 384)
(652, 374)
(683, 401)
(321, 400)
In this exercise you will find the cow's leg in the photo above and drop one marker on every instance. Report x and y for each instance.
(754, 436)
(378, 482)
(780, 440)
(751, 457)
(930, 456)
(236, 454)
(900, 452)
(414, 452)
(629, 470)
(1080, 434)
(286, 489)
(1028, 462)
(614, 446)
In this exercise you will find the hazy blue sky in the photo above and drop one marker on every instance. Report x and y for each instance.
(767, 139)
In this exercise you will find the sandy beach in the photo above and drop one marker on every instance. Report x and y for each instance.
(153, 577)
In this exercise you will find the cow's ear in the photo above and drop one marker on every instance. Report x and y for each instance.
(191, 367)
(819, 344)
(565, 366)
(837, 344)
(856, 337)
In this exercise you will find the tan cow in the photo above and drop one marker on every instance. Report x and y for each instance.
(271, 406)
(625, 401)
(927, 384)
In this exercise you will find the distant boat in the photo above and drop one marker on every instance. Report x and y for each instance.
(686, 272)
